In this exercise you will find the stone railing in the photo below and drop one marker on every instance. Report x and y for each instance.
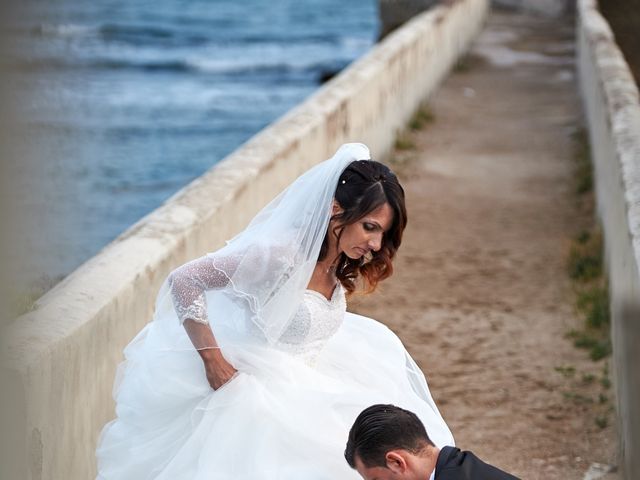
(612, 106)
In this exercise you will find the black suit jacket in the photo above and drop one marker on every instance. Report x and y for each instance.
(454, 464)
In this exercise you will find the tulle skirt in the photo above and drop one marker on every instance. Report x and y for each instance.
(279, 418)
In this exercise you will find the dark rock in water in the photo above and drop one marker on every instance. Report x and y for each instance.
(330, 69)
(394, 13)
(327, 74)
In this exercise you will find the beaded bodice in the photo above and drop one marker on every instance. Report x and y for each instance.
(314, 323)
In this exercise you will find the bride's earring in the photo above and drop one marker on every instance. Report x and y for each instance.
(366, 258)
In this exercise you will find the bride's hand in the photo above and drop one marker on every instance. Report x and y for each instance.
(218, 370)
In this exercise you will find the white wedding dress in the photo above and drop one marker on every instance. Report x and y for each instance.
(288, 421)
(306, 367)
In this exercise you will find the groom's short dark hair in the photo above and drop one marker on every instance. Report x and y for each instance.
(381, 428)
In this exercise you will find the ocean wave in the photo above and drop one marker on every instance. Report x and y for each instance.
(134, 34)
(64, 30)
(236, 67)
(161, 35)
(200, 65)
(151, 34)
(146, 34)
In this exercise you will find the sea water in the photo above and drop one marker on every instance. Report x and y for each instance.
(125, 102)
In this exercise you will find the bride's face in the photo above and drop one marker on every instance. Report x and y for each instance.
(366, 234)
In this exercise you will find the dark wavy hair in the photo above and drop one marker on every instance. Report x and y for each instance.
(364, 186)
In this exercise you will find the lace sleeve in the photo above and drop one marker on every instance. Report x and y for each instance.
(252, 273)
(189, 282)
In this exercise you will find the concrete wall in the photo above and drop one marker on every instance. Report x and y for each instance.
(61, 358)
(611, 103)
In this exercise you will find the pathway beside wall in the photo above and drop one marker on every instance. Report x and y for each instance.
(481, 295)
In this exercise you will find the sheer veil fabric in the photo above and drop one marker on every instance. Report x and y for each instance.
(306, 366)
(257, 280)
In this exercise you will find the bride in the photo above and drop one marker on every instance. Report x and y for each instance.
(251, 367)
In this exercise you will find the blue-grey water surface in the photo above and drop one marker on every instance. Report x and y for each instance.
(128, 101)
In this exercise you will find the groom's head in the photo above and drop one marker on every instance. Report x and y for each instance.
(387, 442)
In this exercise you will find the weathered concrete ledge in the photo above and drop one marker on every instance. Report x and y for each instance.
(62, 357)
(610, 99)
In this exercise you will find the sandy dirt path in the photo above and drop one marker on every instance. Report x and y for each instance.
(481, 296)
